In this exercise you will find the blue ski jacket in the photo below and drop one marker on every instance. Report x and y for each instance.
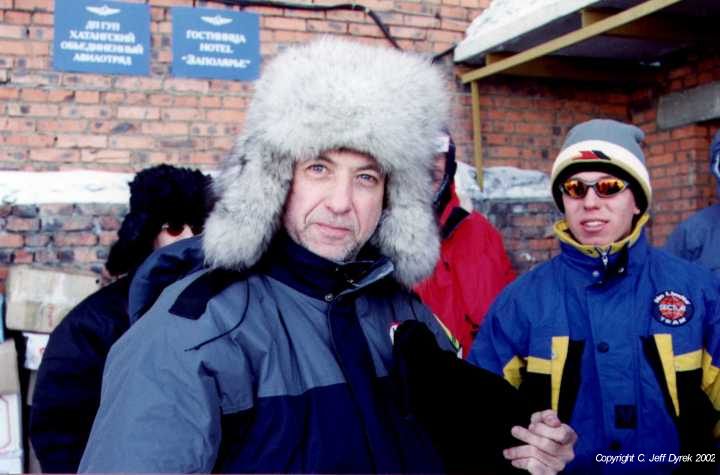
(623, 342)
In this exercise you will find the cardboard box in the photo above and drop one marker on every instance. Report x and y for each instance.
(9, 380)
(11, 464)
(35, 344)
(11, 449)
(38, 299)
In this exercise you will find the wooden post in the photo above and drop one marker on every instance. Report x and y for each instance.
(477, 133)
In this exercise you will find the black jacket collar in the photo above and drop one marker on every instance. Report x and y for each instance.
(317, 277)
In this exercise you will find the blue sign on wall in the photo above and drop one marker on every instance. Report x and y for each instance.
(102, 37)
(215, 44)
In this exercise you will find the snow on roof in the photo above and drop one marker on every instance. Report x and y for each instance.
(504, 20)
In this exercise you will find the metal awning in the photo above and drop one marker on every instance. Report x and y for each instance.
(584, 40)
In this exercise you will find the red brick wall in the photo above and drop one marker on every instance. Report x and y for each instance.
(61, 235)
(527, 230)
(59, 120)
(677, 158)
(524, 121)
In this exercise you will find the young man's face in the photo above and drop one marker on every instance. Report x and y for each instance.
(335, 203)
(597, 221)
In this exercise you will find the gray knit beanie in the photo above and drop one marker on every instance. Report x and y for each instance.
(604, 145)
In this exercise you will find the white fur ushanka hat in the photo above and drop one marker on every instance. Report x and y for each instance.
(334, 94)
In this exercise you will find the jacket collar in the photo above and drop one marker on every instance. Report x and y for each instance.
(562, 231)
(317, 277)
(163, 267)
(451, 213)
(600, 264)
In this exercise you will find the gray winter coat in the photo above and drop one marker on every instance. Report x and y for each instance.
(697, 239)
(232, 372)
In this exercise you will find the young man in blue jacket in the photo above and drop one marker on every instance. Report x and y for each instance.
(276, 358)
(622, 339)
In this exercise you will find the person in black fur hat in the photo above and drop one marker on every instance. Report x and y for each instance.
(166, 204)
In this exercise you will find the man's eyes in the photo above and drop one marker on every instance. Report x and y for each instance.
(317, 168)
(369, 179)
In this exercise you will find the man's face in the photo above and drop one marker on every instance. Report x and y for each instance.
(597, 221)
(438, 171)
(170, 234)
(335, 203)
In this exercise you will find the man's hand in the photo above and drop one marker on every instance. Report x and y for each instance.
(549, 444)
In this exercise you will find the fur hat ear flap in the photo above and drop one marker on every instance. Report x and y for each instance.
(246, 218)
(403, 233)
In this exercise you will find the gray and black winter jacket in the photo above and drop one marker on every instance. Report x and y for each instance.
(283, 368)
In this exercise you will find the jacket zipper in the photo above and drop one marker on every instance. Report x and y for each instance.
(604, 257)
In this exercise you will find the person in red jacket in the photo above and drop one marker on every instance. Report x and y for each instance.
(473, 267)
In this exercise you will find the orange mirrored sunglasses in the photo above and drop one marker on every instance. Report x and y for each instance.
(604, 187)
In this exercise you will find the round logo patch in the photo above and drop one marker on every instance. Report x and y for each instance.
(673, 309)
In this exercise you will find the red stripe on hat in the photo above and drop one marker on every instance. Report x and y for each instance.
(591, 155)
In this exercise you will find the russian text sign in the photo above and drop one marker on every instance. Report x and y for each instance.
(102, 37)
(215, 44)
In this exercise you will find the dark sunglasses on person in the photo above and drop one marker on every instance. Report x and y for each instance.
(604, 187)
(173, 230)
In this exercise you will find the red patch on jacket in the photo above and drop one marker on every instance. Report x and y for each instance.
(672, 308)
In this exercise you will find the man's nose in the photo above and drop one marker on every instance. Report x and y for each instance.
(340, 199)
(591, 200)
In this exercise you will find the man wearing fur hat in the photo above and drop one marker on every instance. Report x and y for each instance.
(276, 357)
(620, 338)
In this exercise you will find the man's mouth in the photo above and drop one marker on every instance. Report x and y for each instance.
(334, 231)
(593, 225)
